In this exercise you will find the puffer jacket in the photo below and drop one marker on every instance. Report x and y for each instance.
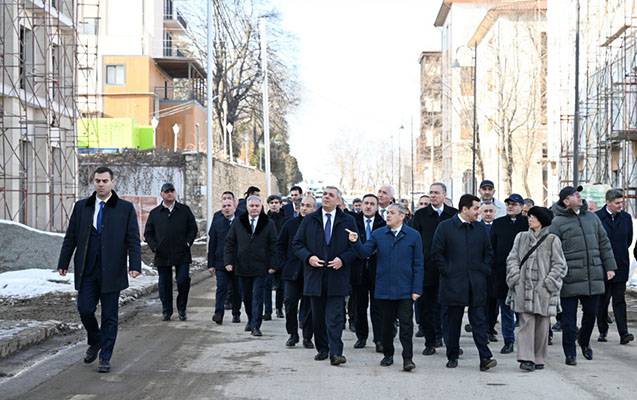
(534, 287)
(587, 250)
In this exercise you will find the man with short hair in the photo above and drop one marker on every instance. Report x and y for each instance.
(251, 252)
(502, 235)
(386, 195)
(364, 277)
(426, 221)
(251, 191)
(292, 275)
(322, 243)
(528, 203)
(357, 205)
(399, 278)
(487, 216)
(170, 231)
(290, 210)
(462, 252)
(619, 228)
(274, 281)
(590, 260)
(487, 190)
(103, 233)
(227, 281)
(423, 202)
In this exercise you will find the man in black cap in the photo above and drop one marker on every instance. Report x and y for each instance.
(170, 231)
(487, 190)
(503, 233)
(590, 261)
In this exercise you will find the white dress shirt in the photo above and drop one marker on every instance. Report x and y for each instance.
(333, 214)
(256, 221)
(97, 208)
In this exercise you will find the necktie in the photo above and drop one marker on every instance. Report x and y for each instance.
(100, 216)
(395, 232)
(252, 224)
(328, 228)
(439, 211)
(382, 212)
(228, 222)
(368, 229)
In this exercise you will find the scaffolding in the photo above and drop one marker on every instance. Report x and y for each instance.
(608, 101)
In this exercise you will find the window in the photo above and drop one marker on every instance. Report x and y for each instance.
(168, 44)
(56, 82)
(26, 58)
(115, 75)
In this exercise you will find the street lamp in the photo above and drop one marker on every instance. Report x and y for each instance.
(400, 166)
(456, 64)
(176, 130)
(154, 122)
(229, 129)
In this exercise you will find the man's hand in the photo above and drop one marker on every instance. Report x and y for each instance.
(610, 275)
(229, 268)
(316, 262)
(62, 272)
(134, 274)
(271, 271)
(353, 236)
(212, 271)
(336, 263)
(415, 296)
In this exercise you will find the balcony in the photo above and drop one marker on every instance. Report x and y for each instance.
(192, 90)
(173, 19)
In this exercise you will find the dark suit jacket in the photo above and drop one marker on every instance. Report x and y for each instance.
(251, 254)
(503, 233)
(309, 241)
(217, 240)
(288, 210)
(620, 233)
(364, 270)
(426, 221)
(463, 257)
(170, 235)
(292, 266)
(120, 238)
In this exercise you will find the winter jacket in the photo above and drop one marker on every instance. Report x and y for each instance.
(171, 234)
(534, 287)
(291, 265)
(619, 229)
(217, 240)
(587, 251)
(503, 232)
(251, 254)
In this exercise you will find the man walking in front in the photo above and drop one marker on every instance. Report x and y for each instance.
(462, 252)
(322, 243)
(103, 232)
(170, 232)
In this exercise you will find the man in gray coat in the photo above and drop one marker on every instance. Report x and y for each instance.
(589, 257)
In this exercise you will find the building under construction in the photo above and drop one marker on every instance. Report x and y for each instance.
(607, 125)
(38, 160)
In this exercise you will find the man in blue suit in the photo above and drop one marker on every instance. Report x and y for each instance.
(399, 279)
(291, 210)
(322, 243)
(101, 224)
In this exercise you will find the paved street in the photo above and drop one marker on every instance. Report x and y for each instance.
(198, 359)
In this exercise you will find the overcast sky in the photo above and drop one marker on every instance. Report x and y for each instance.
(358, 70)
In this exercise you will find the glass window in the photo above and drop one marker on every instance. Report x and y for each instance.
(115, 75)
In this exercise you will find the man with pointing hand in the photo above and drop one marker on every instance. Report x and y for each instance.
(322, 243)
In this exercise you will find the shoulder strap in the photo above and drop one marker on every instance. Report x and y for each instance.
(528, 254)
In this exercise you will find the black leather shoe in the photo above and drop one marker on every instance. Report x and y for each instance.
(527, 366)
(539, 366)
(627, 338)
(468, 328)
(550, 340)
(321, 356)
(292, 341)
(557, 326)
(420, 333)
(218, 318)
(337, 360)
(279, 314)
(602, 338)
(408, 365)
(438, 343)
(452, 363)
(236, 319)
(104, 366)
(307, 343)
(379, 347)
(493, 338)
(267, 317)
(487, 364)
(429, 351)
(248, 328)
(91, 353)
(587, 352)
(570, 361)
(182, 316)
(165, 317)
(256, 332)
(360, 344)
(507, 348)
(387, 361)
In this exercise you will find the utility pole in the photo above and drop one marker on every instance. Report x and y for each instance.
(411, 138)
(209, 119)
(576, 113)
(400, 130)
(266, 110)
(475, 121)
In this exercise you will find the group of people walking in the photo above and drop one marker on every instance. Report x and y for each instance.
(513, 260)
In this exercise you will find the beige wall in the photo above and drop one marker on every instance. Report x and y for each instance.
(188, 120)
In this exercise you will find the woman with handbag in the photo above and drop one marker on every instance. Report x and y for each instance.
(535, 268)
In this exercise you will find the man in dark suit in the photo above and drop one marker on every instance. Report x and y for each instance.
(170, 231)
(292, 275)
(102, 224)
(462, 253)
(250, 250)
(322, 243)
(242, 205)
(426, 220)
(290, 210)
(275, 214)
(502, 235)
(364, 276)
(227, 281)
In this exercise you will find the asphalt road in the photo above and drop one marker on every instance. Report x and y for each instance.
(198, 359)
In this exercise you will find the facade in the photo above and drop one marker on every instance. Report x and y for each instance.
(429, 142)
(38, 162)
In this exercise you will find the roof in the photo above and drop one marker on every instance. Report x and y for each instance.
(179, 67)
(445, 7)
(509, 7)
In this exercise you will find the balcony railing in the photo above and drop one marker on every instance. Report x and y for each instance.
(170, 93)
(173, 14)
